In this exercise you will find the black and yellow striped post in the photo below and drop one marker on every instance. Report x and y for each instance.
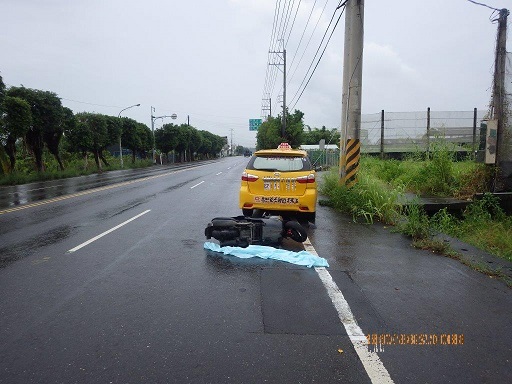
(349, 162)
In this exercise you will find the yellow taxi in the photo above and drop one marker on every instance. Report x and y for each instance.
(279, 181)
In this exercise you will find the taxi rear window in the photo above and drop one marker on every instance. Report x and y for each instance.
(278, 163)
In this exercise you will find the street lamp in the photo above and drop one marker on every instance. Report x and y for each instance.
(120, 134)
(153, 118)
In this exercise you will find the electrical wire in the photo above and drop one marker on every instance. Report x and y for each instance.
(80, 102)
(483, 5)
(272, 70)
(309, 41)
(293, 23)
(319, 59)
(274, 24)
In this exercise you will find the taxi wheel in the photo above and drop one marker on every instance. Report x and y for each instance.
(295, 231)
(247, 212)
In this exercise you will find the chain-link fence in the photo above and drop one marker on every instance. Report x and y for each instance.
(397, 132)
(402, 132)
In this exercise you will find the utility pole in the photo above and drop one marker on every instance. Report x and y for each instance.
(268, 108)
(503, 181)
(231, 141)
(153, 118)
(153, 132)
(283, 57)
(350, 146)
(283, 131)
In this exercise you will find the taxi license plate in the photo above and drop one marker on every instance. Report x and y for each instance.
(276, 200)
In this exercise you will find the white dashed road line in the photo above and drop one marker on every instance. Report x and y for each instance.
(192, 187)
(371, 361)
(106, 232)
(217, 174)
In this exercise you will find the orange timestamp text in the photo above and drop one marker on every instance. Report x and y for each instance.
(381, 339)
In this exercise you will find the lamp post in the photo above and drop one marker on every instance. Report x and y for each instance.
(153, 118)
(121, 134)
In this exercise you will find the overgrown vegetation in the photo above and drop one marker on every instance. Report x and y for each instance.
(380, 195)
(437, 175)
(370, 199)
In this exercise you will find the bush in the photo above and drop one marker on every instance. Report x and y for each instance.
(368, 199)
(415, 223)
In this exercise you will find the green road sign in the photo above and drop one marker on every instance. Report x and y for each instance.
(254, 124)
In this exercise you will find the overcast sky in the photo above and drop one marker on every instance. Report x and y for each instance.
(208, 59)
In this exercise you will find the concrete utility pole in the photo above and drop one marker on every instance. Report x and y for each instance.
(231, 141)
(283, 125)
(283, 130)
(503, 182)
(352, 86)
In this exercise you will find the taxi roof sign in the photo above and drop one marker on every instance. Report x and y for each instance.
(284, 146)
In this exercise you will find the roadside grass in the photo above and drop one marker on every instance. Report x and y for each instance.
(439, 175)
(378, 195)
(370, 199)
(73, 166)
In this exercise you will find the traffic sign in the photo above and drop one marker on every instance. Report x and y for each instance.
(174, 116)
(254, 124)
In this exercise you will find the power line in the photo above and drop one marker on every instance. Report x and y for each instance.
(303, 32)
(96, 105)
(76, 101)
(293, 23)
(483, 5)
(288, 14)
(309, 41)
(316, 53)
(319, 59)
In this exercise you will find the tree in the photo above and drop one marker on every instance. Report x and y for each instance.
(206, 144)
(130, 137)
(184, 137)
(16, 121)
(114, 129)
(195, 141)
(78, 137)
(313, 137)
(294, 128)
(47, 127)
(4, 167)
(269, 132)
(146, 139)
(95, 127)
(239, 150)
(166, 138)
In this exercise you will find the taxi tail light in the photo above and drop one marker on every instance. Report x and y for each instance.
(248, 177)
(306, 179)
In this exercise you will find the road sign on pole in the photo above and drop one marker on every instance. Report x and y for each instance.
(254, 124)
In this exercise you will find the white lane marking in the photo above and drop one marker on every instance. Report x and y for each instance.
(196, 185)
(229, 167)
(217, 174)
(107, 232)
(371, 361)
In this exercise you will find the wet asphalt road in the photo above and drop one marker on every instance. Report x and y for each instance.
(146, 303)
